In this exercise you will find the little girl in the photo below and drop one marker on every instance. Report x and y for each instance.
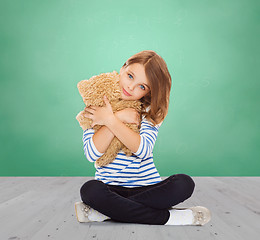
(130, 189)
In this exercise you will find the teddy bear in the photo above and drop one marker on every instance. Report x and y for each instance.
(92, 92)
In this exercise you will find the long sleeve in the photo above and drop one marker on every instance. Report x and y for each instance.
(90, 150)
(148, 134)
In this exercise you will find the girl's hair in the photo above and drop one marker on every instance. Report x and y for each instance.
(160, 84)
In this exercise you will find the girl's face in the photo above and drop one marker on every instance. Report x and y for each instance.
(133, 82)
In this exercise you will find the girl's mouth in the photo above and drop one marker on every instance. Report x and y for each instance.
(126, 93)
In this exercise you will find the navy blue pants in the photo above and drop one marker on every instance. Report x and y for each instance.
(146, 205)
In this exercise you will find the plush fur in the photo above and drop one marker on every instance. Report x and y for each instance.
(92, 92)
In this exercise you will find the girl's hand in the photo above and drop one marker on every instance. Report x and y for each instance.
(128, 115)
(100, 115)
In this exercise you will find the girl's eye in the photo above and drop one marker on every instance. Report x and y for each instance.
(130, 75)
(142, 87)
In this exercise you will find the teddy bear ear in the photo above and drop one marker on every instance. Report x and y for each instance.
(82, 86)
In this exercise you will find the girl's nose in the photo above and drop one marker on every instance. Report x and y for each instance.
(131, 87)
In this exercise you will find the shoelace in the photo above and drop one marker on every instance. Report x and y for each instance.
(86, 209)
(199, 217)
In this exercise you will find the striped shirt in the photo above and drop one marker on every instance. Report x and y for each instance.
(134, 171)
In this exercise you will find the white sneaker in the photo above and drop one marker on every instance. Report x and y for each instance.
(201, 215)
(85, 213)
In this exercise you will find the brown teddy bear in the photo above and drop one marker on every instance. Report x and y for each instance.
(92, 92)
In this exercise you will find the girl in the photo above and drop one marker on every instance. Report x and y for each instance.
(130, 189)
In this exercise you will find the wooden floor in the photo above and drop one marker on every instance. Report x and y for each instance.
(43, 208)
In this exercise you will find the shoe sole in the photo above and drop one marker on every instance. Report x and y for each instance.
(76, 212)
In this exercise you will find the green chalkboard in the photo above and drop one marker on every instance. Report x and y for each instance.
(212, 52)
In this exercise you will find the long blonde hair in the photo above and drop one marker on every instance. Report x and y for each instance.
(160, 84)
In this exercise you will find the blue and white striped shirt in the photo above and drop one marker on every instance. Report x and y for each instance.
(134, 171)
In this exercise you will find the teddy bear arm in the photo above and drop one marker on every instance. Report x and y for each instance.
(84, 122)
